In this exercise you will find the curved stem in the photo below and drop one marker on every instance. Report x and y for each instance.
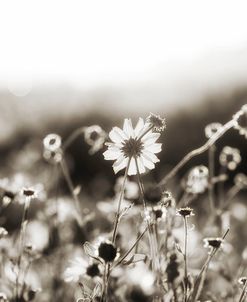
(197, 151)
(73, 137)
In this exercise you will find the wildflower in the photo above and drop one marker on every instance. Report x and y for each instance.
(242, 280)
(130, 146)
(29, 192)
(107, 251)
(240, 119)
(52, 148)
(197, 180)
(157, 123)
(240, 180)
(3, 297)
(185, 212)
(95, 137)
(135, 293)
(213, 242)
(3, 232)
(230, 157)
(211, 129)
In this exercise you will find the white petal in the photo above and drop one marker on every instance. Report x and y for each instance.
(147, 162)
(139, 127)
(152, 157)
(120, 164)
(112, 154)
(150, 138)
(128, 128)
(155, 148)
(132, 167)
(117, 135)
(141, 166)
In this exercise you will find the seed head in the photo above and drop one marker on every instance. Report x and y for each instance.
(211, 129)
(213, 242)
(185, 212)
(158, 123)
(240, 119)
(107, 251)
(230, 157)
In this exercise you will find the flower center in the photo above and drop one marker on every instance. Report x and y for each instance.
(132, 147)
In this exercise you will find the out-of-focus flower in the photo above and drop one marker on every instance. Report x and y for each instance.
(52, 148)
(3, 297)
(172, 268)
(211, 129)
(27, 194)
(185, 212)
(133, 147)
(240, 119)
(3, 232)
(212, 242)
(95, 137)
(37, 234)
(230, 157)
(158, 123)
(242, 280)
(240, 180)
(197, 180)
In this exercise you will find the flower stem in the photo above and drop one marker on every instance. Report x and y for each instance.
(211, 168)
(185, 259)
(21, 243)
(121, 195)
(197, 151)
(243, 293)
(72, 137)
(72, 190)
(151, 229)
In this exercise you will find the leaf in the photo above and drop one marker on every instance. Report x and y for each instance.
(97, 290)
(125, 211)
(178, 248)
(91, 251)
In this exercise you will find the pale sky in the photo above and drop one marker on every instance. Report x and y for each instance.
(90, 43)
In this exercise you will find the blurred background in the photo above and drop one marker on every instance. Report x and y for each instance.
(65, 64)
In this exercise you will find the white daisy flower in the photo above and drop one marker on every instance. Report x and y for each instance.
(133, 148)
(77, 268)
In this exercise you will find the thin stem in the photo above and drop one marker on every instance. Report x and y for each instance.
(197, 151)
(196, 290)
(211, 168)
(153, 244)
(149, 129)
(185, 259)
(230, 195)
(72, 137)
(21, 243)
(243, 294)
(117, 218)
(72, 190)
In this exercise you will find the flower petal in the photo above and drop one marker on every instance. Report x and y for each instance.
(117, 135)
(151, 156)
(128, 128)
(132, 167)
(150, 138)
(147, 162)
(141, 166)
(154, 148)
(120, 164)
(112, 153)
(139, 127)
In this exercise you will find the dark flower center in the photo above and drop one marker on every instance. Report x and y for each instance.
(107, 251)
(132, 147)
(93, 270)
